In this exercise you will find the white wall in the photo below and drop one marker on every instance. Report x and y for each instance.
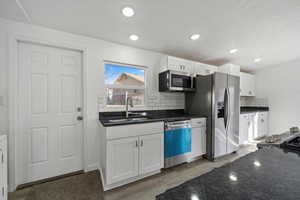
(97, 51)
(281, 86)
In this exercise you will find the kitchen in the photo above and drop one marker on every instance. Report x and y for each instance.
(122, 127)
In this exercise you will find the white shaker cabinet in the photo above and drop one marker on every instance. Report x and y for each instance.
(253, 125)
(151, 149)
(122, 159)
(3, 167)
(247, 84)
(130, 152)
(262, 121)
(244, 129)
(177, 64)
(198, 137)
(230, 68)
(204, 69)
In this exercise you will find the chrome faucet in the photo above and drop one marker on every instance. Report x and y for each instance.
(129, 101)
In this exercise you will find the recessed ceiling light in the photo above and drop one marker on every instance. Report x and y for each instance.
(134, 37)
(256, 60)
(128, 11)
(233, 51)
(195, 36)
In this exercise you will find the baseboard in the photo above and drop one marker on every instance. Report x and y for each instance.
(91, 167)
(121, 183)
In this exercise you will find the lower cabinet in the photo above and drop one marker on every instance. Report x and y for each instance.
(244, 129)
(253, 126)
(262, 122)
(3, 168)
(130, 152)
(130, 157)
(198, 137)
(122, 159)
(151, 151)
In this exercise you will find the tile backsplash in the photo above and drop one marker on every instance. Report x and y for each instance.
(154, 101)
(253, 101)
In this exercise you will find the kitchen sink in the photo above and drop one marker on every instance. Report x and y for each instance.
(128, 119)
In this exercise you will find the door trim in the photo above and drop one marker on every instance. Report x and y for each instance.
(15, 159)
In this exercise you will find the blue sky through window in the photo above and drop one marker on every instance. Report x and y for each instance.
(113, 71)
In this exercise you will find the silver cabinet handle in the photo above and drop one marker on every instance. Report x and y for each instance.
(142, 143)
(136, 143)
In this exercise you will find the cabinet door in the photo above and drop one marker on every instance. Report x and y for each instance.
(244, 129)
(151, 153)
(178, 64)
(200, 69)
(262, 124)
(122, 159)
(198, 141)
(253, 127)
(247, 84)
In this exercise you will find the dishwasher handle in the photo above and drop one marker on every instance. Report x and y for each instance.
(178, 125)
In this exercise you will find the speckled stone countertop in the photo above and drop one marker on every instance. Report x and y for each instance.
(270, 173)
(283, 137)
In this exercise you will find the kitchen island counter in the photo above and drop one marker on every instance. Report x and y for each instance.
(269, 173)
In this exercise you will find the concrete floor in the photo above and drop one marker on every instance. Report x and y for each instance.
(88, 186)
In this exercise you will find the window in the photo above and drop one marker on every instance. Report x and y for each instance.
(122, 80)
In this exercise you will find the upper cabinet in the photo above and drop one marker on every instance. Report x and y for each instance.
(204, 69)
(230, 69)
(196, 68)
(247, 84)
(177, 64)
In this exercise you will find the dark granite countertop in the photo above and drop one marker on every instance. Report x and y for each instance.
(151, 116)
(252, 109)
(269, 173)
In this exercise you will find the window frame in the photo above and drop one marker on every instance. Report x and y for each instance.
(117, 86)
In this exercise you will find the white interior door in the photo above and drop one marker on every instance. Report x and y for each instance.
(50, 97)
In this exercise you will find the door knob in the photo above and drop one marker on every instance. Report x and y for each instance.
(79, 118)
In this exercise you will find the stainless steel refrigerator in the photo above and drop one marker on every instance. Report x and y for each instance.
(217, 97)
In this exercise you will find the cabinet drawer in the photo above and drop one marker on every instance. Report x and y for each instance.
(198, 122)
(134, 130)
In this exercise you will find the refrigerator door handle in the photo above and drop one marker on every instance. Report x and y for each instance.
(229, 109)
(225, 109)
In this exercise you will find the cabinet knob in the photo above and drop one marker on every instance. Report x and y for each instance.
(79, 118)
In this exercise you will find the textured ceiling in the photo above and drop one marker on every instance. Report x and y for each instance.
(268, 29)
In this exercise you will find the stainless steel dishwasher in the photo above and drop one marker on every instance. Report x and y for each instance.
(178, 142)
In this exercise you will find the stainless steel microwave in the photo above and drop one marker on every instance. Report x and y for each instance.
(171, 81)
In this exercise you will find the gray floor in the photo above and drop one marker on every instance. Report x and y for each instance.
(88, 186)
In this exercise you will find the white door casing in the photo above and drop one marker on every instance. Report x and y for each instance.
(50, 92)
